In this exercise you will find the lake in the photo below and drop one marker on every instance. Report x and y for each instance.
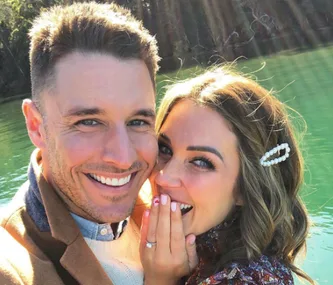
(304, 81)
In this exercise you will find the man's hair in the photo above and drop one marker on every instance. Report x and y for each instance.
(86, 27)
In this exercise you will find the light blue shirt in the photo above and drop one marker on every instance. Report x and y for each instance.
(96, 231)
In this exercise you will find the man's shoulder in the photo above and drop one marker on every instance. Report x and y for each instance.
(14, 257)
(22, 261)
(20, 266)
(8, 275)
(15, 208)
(9, 262)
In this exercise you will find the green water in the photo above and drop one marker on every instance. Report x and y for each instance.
(305, 81)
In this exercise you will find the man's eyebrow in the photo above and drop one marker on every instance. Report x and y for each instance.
(145, 113)
(206, 149)
(80, 112)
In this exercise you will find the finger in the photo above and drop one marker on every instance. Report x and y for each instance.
(163, 225)
(177, 239)
(191, 251)
(153, 219)
(144, 230)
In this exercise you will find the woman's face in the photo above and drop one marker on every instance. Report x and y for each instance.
(198, 165)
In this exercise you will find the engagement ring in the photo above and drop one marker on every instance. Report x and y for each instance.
(150, 244)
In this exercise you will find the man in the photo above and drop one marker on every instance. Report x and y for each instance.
(91, 119)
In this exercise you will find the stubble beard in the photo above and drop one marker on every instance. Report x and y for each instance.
(71, 191)
(80, 201)
(57, 170)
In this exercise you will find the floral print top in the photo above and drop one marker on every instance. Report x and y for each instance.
(265, 271)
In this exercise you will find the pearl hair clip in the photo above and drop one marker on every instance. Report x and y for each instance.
(268, 154)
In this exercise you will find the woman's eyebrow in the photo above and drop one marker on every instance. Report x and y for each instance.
(165, 137)
(206, 149)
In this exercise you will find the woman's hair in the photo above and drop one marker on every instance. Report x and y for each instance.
(273, 219)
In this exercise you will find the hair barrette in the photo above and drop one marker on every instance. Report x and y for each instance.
(264, 160)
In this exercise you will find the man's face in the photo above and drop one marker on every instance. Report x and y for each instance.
(99, 136)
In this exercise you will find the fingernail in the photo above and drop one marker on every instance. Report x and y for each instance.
(156, 201)
(192, 239)
(146, 213)
(164, 199)
(173, 206)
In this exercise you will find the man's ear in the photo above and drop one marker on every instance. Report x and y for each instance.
(34, 123)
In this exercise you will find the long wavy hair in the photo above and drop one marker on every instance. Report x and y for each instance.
(272, 220)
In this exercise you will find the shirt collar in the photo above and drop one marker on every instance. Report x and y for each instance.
(101, 232)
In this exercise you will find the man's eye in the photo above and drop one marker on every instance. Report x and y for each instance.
(138, 123)
(87, 123)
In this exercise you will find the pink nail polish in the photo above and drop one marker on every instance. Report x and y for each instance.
(173, 206)
(156, 201)
(192, 240)
(164, 199)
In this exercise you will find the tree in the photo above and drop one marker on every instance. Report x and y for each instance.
(15, 21)
(183, 29)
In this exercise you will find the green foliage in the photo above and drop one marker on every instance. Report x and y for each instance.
(188, 31)
(16, 17)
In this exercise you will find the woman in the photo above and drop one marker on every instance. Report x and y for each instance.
(228, 174)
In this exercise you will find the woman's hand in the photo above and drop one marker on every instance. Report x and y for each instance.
(166, 254)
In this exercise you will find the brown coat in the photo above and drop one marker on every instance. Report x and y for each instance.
(31, 257)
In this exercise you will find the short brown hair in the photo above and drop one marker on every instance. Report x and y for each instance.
(87, 27)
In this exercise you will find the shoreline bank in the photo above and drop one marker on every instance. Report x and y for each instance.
(14, 98)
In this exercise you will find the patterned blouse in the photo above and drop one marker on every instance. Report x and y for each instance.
(265, 271)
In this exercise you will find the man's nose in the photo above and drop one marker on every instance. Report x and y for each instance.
(170, 175)
(119, 149)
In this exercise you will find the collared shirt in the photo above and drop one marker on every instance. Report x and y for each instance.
(117, 253)
(96, 231)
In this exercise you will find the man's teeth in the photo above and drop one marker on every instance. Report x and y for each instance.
(185, 206)
(112, 181)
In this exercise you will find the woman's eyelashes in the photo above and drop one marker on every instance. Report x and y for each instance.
(165, 151)
(203, 163)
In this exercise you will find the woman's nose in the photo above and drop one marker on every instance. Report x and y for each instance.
(169, 176)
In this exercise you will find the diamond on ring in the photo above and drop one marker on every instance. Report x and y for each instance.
(150, 244)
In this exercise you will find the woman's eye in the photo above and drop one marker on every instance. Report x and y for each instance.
(164, 150)
(87, 122)
(203, 163)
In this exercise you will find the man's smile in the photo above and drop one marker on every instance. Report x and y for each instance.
(111, 181)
